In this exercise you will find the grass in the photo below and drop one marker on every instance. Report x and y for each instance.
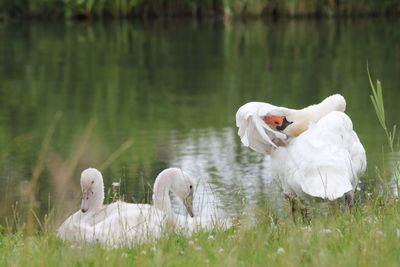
(369, 236)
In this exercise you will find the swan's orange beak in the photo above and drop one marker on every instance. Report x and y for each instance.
(274, 120)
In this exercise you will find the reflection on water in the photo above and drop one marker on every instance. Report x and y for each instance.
(228, 174)
(174, 91)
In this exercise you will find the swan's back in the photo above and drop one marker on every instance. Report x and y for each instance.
(125, 224)
(325, 161)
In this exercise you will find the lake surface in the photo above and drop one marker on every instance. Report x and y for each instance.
(134, 98)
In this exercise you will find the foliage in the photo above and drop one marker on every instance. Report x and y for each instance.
(194, 8)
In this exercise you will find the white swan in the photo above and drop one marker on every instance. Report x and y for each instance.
(120, 223)
(314, 151)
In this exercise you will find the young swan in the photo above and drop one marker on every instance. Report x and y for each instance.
(122, 223)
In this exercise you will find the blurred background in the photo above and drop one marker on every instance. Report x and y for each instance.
(133, 87)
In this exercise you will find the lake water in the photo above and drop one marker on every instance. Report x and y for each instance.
(134, 98)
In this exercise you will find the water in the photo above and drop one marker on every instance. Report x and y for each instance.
(173, 90)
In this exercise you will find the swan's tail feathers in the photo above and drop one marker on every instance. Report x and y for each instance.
(326, 183)
(254, 132)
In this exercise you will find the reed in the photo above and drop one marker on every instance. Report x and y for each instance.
(390, 173)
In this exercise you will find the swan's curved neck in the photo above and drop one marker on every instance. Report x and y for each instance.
(98, 199)
(304, 117)
(329, 104)
(161, 199)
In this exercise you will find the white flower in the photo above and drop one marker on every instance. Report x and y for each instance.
(220, 250)
(380, 233)
(116, 184)
(326, 231)
(280, 251)
(210, 237)
(398, 232)
(124, 255)
(143, 252)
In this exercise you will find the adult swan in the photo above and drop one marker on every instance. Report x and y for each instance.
(120, 223)
(314, 151)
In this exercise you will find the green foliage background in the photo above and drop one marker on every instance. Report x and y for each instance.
(194, 8)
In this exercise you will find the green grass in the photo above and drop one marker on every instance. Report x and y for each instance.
(368, 236)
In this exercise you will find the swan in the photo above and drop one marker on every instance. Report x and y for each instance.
(121, 223)
(314, 151)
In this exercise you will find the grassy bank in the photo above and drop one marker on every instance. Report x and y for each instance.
(369, 236)
(194, 8)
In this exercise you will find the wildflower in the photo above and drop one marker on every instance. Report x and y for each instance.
(372, 219)
(280, 251)
(153, 249)
(116, 184)
(124, 255)
(220, 250)
(210, 237)
(398, 232)
(143, 252)
(379, 233)
(326, 231)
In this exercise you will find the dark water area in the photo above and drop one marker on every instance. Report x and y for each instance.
(168, 93)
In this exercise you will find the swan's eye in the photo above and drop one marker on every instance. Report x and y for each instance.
(92, 182)
(191, 186)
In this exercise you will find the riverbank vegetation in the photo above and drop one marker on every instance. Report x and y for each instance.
(368, 236)
(194, 8)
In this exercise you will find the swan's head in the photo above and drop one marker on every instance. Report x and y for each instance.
(183, 187)
(279, 121)
(92, 190)
(178, 182)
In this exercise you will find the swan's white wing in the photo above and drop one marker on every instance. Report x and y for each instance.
(125, 224)
(326, 161)
(78, 228)
(253, 131)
